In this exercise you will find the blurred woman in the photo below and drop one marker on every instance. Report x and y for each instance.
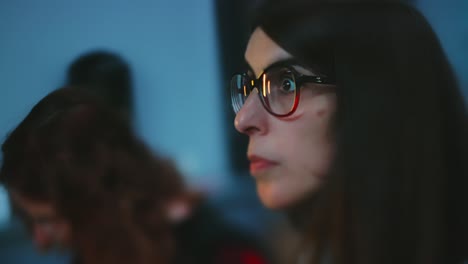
(81, 180)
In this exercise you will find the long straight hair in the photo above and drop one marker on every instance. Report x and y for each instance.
(395, 191)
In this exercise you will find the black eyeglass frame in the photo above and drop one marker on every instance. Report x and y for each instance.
(299, 79)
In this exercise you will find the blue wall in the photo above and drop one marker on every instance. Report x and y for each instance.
(170, 44)
(450, 21)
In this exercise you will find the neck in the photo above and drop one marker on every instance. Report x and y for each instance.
(300, 214)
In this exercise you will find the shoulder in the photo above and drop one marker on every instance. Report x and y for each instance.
(210, 239)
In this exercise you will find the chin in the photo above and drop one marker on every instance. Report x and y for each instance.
(273, 205)
(272, 198)
(277, 195)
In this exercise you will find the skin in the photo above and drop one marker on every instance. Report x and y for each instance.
(289, 156)
(47, 228)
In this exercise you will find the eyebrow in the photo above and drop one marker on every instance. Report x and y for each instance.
(284, 62)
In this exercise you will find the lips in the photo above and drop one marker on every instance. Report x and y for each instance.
(259, 164)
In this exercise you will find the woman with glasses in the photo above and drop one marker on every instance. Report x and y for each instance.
(357, 130)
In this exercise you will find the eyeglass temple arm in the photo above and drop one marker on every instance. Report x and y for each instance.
(314, 79)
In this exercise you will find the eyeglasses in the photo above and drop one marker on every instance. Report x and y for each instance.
(44, 222)
(278, 88)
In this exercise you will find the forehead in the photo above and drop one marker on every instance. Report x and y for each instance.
(30, 206)
(262, 51)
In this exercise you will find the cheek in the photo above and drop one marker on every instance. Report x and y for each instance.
(305, 150)
(314, 146)
(63, 232)
(309, 125)
(313, 126)
(321, 112)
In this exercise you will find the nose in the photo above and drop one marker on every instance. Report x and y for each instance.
(251, 118)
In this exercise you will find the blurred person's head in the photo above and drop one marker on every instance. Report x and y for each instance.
(354, 117)
(105, 75)
(81, 179)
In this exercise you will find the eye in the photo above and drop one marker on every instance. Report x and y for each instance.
(288, 85)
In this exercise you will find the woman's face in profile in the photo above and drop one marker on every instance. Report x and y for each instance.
(289, 156)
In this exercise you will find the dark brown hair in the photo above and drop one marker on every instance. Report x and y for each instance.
(395, 193)
(105, 75)
(87, 161)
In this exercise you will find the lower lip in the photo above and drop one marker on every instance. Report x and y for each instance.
(258, 166)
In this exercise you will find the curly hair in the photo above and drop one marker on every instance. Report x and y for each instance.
(87, 161)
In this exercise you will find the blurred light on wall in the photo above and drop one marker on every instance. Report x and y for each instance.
(4, 208)
(450, 22)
